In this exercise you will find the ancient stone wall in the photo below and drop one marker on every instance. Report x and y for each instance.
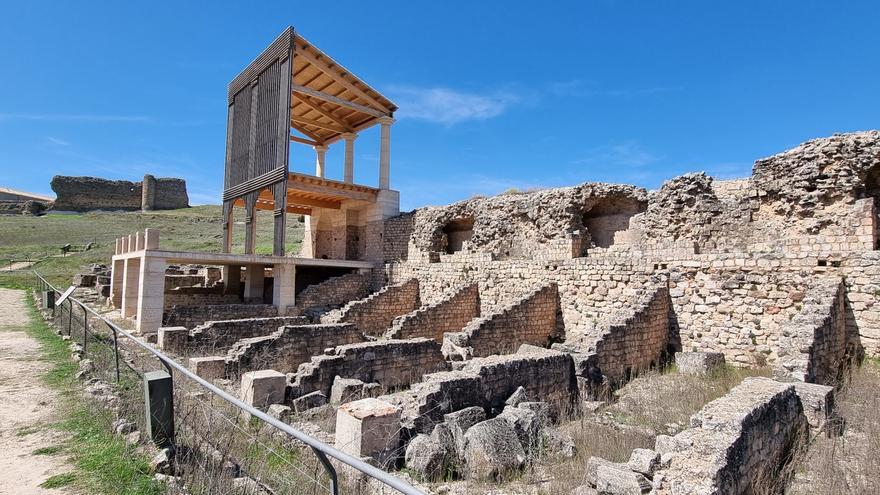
(546, 375)
(334, 292)
(734, 442)
(817, 347)
(193, 316)
(92, 193)
(635, 341)
(374, 314)
(198, 296)
(530, 320)
(390, 363)
(449, 314)
(180, 281)
(218, 336)
(288, 347)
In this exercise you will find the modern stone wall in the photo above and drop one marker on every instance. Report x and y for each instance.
(391, 363)
(374, 314)
(817, 346)
(734, 442)
(218, 336)
(92, 193)
(531, 320)
(546, 375)
(449, 314)
(193, 316)
(288, 347)
(334, 292)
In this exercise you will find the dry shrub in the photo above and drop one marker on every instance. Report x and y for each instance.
(848, 463)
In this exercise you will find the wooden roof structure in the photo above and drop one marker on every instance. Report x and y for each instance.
(292, 86)
(328, 100)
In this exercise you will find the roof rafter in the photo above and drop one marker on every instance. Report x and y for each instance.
(296, 88)
(339, 77)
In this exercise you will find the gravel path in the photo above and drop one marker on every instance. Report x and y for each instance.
(26, 406)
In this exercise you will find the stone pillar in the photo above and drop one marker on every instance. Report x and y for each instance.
(148, 193)
(132, 243)
(139, 241)
(151, 297)
(131, 274)
(385, 153)
(253, 283)
(116, 279)
(159, 405)
(283, 285)
(320, 155)
(232, 279)
(118, 248)
(151, 239)
(348, 174)
(123, 244)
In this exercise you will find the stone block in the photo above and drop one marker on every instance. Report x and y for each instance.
(619, 480)
(369, 428)
(346, 390)
(263, 388)
(172, 339)
(817, 401)
(644, 461)
(492, 450)
(209, 368)
(308, 401)
(698, 363)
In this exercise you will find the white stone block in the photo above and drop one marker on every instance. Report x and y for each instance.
(263, 388)
(369, 428)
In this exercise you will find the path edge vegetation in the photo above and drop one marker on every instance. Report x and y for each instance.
(103, 463)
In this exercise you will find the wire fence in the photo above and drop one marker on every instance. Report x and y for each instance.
(219, 444)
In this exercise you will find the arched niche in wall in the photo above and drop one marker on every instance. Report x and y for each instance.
(606, 218)
(456, 232)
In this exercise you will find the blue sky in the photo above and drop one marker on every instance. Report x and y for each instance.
(492, 95)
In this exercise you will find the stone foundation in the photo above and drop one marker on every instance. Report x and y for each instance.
(193, 316)
(217, 336)
(449, 314)
(374, 314)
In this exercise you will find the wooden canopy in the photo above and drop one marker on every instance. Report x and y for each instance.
(328, 100)
(305, 192)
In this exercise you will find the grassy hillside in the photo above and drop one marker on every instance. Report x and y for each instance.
(192, 229)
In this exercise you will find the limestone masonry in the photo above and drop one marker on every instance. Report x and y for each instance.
(92, 193)
(469, 330)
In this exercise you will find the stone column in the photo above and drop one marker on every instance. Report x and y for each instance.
(151, 295)
(348, 175)
(320, 155)
(151, 239)
(385, 153)
(232, 279)
(130, 281)
(253, 283)
(116, 278)
(139, 241)
(283, 287)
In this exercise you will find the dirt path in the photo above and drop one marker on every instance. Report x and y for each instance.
(26, 406)
(18, 265)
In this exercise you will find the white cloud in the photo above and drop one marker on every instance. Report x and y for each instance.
(56, 141)
(449, 106)
(73, 117)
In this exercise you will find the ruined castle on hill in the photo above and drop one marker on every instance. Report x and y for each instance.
(448, 328)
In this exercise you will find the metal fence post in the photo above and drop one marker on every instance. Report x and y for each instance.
(331, 471)
(85, 330)
(69, 317)
(159, 405)
(116, 352)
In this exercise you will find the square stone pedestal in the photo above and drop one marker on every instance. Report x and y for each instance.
(369, 428)
(263, 388)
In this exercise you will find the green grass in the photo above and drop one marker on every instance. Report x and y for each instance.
(59, 481)
(103, 462)
(47, 450)
(189, 229)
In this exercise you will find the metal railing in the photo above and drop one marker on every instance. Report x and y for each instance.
(323, 451)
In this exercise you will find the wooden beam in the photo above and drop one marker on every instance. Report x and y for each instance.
(339, 77)
(315, 123)
(309, 133)
(317, 203)
(298, 139)
(323, 111)
(270, 206)
(338, 101)
(295, 184)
